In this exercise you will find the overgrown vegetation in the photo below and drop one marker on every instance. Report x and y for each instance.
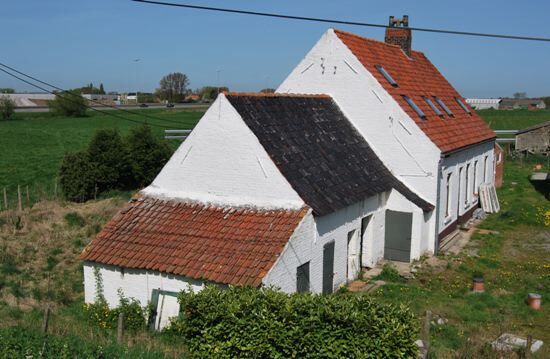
(34, 144)
(265, 323)
(111, 163)
(7, 108)
(68, 103)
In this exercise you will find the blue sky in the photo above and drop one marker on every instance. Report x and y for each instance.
(70, 43)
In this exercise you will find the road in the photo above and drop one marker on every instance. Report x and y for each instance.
(125, 107)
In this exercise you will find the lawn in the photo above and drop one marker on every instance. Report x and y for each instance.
(514, 260)
(513, 119)
(33, 144)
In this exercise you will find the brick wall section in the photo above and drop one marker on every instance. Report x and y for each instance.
(400, 37)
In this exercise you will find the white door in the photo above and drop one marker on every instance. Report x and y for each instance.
(167, 308)
(353, 255)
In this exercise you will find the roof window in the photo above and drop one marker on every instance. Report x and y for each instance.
(443, 106)
(415, 107)
(464, 107)
(433, 106)
(386, 75)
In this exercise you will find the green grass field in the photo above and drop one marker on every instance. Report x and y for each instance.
(33, 144)
(514, 119)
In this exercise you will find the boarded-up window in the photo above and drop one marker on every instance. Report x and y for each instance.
(302, 278)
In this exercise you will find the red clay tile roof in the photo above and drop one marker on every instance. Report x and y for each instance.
(224, 245)
(416, 77)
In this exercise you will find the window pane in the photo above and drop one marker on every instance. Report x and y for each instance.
(443, 106)
(386, 75)
(415, 107)
(302, 278)
(432, 105)
(464, 107)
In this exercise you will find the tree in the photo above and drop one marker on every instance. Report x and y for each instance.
(147, 153)
(7, 107)
(267, 90)
(7, 90)
(69, 103)
(520, 95)
(173, 87)
(110, 161)
(211, 92)
(101, 89)
(77, 177)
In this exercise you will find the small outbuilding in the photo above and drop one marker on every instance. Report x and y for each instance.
(534, 139)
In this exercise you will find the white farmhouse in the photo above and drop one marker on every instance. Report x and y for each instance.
(366, 152)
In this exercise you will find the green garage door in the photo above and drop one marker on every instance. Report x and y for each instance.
(397, 245)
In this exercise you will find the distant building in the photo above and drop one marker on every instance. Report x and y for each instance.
(522, 103)
(484, 103)
(128, 98)
(534, 139)
(29, 99)
(98, 97)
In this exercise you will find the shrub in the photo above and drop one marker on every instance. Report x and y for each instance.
(249, 322)
(99, 313)
(148, 155)
(69, 103)
(74, 219)
(109, 158)
(77, 177)
(7, 108)
(389, 273)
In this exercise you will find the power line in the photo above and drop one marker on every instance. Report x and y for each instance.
(94, 101)
(341, 22)
(73, 101)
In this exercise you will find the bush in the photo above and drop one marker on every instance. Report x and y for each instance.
(249, 322)
(148, 155)
(7, 108)
(389, 273)
(74, 219)
(77, 177)
(18, 342)
(109, 158)
(69, 103)
(99, 313)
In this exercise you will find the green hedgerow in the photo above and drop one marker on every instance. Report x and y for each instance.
(265, 323)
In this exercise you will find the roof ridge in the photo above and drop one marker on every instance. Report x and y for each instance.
(204, 205)
(374, 40)
(276, 94)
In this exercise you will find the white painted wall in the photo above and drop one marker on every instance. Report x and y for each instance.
(223, 162)
(331, 68)
(137, 284)
(451, 165)
(306, 244)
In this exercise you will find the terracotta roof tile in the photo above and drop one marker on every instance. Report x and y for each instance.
(191, 243)
(416, 76)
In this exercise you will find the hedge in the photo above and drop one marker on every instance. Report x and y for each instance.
(266, 323)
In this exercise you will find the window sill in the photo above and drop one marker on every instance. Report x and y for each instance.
(448, 220)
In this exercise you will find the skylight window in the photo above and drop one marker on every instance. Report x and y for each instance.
(433, 106)
(415, 107)
(464, 107)
(443, 106)
(386, 75)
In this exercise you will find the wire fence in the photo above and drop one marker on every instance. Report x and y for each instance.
(20, 197)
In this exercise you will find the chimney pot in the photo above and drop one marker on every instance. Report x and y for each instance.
(398, 33)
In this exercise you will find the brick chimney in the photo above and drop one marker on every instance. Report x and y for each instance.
(398, 33)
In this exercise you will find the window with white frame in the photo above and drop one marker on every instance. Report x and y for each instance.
(467, 188)
(475, 178)
(448, 197)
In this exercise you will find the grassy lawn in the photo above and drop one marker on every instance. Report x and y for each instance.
(33, 144)
(514, 262)
(513, 119)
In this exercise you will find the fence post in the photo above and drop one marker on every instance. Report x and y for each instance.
(28, 197)
(120, 328)
(19, 204)
(46, 320)
(55, 188)
(5, 199)
(426, 330)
